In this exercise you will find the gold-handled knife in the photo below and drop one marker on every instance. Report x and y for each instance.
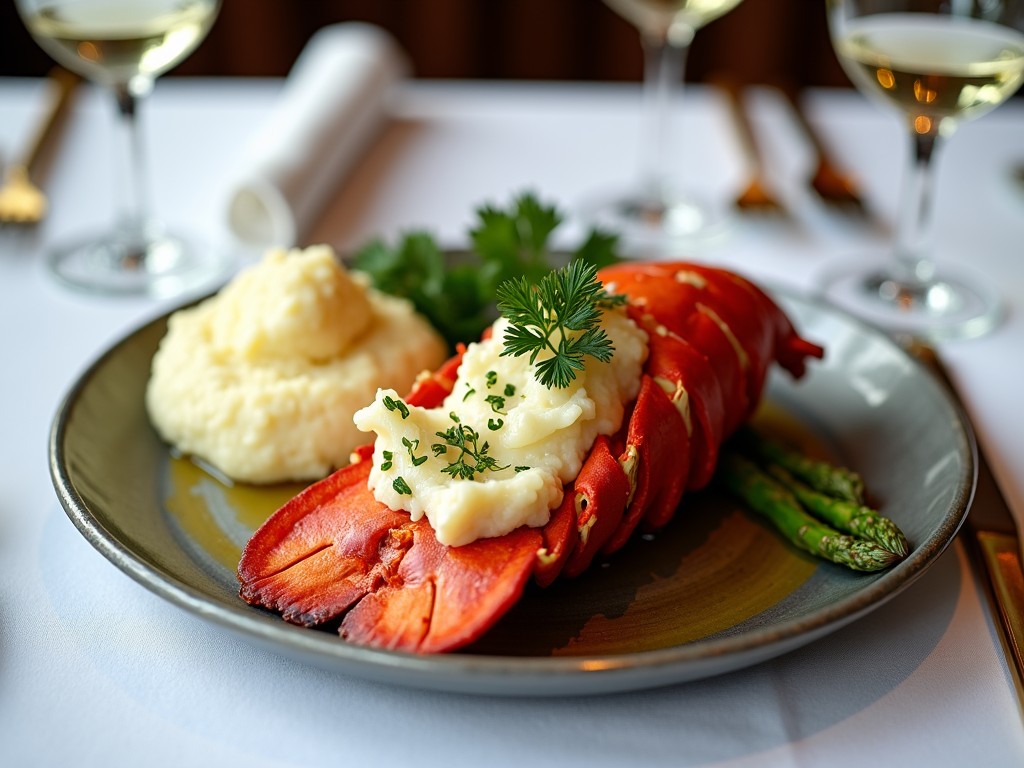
(995, 544)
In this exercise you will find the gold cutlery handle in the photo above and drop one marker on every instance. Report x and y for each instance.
(791, 93)
(65, 83)
(740, 120)
(999, 555)
(993, 543)
(756, 194)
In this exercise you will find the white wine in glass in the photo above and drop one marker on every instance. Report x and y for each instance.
(938, 63)
(124, 45)
(657, 212)
(657, 16)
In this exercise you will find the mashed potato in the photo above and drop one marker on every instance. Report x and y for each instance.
(262, 380)
(537, 436)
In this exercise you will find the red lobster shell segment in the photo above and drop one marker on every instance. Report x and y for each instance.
(334, 555)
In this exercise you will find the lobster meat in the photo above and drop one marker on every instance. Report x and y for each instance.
(334, 552)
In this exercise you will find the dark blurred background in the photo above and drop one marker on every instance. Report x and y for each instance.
(759, 41)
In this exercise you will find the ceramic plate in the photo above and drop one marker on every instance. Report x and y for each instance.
(715, 591)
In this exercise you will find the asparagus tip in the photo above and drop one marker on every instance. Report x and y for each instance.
(862, 555)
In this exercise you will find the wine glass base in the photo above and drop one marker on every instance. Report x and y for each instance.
(660, 225)
(950, 306)
(159, 266)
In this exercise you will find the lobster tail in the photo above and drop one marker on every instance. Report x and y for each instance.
(335, 552)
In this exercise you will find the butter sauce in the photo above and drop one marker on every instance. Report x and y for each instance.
(533, 439)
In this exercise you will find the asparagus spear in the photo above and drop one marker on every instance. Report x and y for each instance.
(771, 499)
(845, 515)
(823, 477)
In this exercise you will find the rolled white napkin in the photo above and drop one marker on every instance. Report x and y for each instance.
(333, 103)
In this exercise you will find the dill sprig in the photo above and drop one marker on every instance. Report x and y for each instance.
(561, 315)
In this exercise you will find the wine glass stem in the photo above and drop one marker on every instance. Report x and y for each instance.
(664, 68)
(133, 219)
(914, 225)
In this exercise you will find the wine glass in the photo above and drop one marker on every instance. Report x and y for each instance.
(657, 212)
(124, 45)
(938, 62)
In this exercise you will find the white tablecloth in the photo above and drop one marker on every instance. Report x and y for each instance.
(96, 670)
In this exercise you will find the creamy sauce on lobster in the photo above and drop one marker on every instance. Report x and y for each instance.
(496, 454)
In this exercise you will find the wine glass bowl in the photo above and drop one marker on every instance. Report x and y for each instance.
(938, 64)
(657, 211)
(124, 45)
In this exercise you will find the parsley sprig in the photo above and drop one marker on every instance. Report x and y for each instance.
(457, 295)
(560, 315)
(472, 457)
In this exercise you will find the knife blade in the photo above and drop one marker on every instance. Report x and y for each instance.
(994, 542)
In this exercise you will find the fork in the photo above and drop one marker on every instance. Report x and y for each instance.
(756, 195)
(21, 201)
(833, 185)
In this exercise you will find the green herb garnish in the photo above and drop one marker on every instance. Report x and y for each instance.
(401, 487)
(388, 461)
(472, 458)
(411, 446)
(457, 297)
(394, 404)
(560, 316)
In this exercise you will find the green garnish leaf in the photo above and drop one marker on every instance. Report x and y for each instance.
(388, 461)
(600, 249)
(457, 296)
(401, 487)
(514, 241)
(411, 446)
(560, 317)
(473, 456)
(395, 404)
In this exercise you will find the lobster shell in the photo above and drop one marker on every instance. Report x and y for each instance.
(335, 553)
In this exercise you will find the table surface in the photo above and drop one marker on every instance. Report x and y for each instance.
(97, 670)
